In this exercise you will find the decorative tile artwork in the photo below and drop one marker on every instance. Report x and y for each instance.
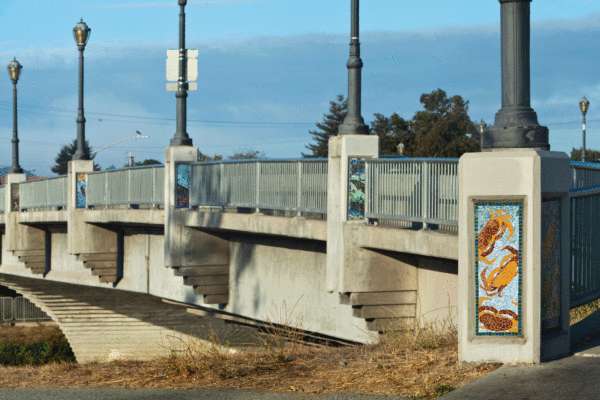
(551, 276)
(14, 193)
(80, 198)
(356, 195)
(498, 274)
(182, 188)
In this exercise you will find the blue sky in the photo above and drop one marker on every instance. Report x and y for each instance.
(268, 69)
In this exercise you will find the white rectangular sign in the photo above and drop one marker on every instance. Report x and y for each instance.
(172, 87)
(173, 69)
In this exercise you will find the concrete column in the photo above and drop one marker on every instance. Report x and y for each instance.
(514, 256)
(342, 148)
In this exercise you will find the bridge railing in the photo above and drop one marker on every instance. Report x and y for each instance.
(585, 174)
(40, 193)
(296, 185)
(131, 186)
(20, 309)
(412, 189)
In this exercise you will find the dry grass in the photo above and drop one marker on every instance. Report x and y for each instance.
(581, 312)
(418, 363)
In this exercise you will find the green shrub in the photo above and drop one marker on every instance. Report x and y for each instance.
(38, 353)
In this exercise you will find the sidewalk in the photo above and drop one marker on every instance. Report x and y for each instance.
(574, 378)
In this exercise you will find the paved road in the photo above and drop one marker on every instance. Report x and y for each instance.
(167, 394)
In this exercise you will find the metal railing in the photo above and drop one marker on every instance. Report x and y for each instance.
(20, 309)
(39, 193)
(297, 185)
(585, 242)
(419, 190)
(585, 174)
(131, 186)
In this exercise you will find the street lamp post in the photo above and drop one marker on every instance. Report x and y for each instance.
(583, 105)
(181, 137)
(14, 70)
(81, 32)
(354, 122)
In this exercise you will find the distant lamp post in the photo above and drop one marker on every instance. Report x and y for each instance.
(583, 105)
(81, 33)
(481, 126)
(14, 70)
(400, 148)
(181, 137)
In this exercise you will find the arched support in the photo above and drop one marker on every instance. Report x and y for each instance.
(102, 324)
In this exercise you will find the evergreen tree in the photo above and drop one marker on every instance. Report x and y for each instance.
(444, 128)
(66, 154)
(392, 131)
(203, 157)
(149, 161)
(590, 155)
(330, 127)
(248, 154)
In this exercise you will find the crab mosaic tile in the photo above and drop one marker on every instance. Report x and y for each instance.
(498, 273)
(182, 189)
(81, 187)
(14, 193)
(356, 195)
(550, 263)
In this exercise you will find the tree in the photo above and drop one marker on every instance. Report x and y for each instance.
(444, 128)
(330, 127)
(249, 154)
(204, 157)
(149, 161)
(66, 154)
(392, 131)
(590, 155)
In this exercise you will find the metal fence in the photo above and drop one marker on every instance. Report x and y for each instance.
(297, 185)
(418, 190)
(131, 186)
(585, 242)
(41, 193)
(20, 309)
(585, 174)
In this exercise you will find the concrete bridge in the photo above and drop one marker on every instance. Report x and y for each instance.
(123, 260)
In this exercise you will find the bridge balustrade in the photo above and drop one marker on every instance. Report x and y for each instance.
(42, 193)
(131, 186)
(296, 185)
(2, 198)
(585, 174)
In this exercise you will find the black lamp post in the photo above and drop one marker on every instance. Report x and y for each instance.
(14, 70)
(516, 124)
(181, 137)
(354, 122)
(583, 105)
(81, 32)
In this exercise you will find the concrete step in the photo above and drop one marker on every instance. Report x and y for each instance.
(36, 265)
(381, 298)
(108, 278)
(206, 280)
(211, 289)
(385, 311)
(104, 271)
(100, 264)
(30, 252)
(97, 257)
(390, 324)
(38, 271)
(35, 258)
(216, 299)
(203, 270)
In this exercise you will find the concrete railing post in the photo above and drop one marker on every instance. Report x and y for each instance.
(341, 149)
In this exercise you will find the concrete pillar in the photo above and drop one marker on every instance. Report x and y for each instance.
(342, 149)
(514, 266)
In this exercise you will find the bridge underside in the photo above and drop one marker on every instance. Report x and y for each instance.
(103, 324)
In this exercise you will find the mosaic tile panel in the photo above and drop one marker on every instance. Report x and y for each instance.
(551, 276)
(14, 196)
(356, 195)
(182, 187)
(498, 273)
(80, 198)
